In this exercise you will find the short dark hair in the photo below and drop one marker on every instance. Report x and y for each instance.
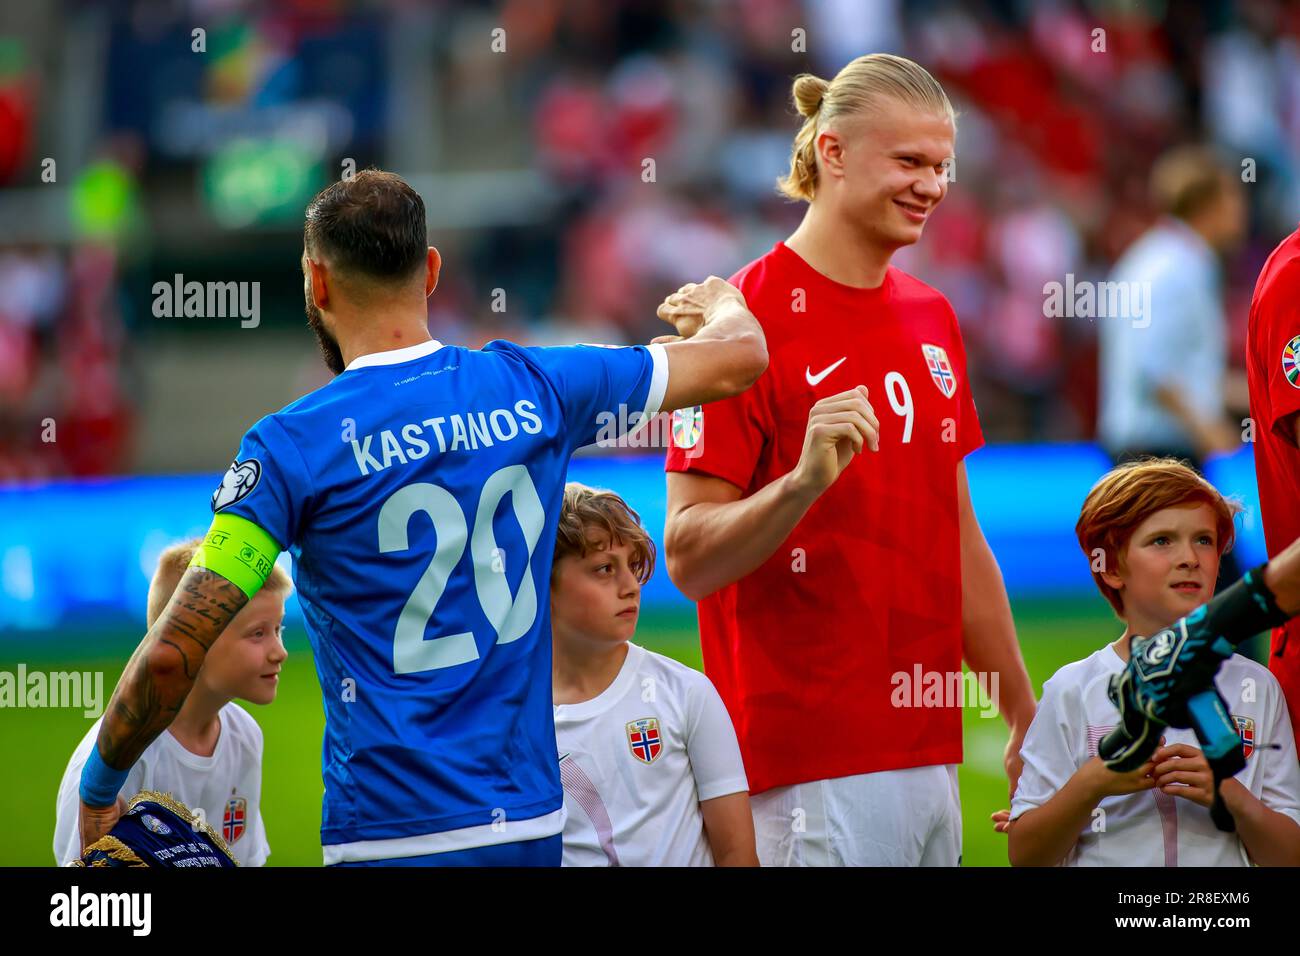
(371, 224)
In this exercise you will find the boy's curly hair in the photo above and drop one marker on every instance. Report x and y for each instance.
(588, 513)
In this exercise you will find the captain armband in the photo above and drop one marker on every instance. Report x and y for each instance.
(238, 550)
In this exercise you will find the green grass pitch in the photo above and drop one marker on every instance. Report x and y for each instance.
(35, 744)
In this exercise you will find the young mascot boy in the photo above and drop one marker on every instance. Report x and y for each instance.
(1155, 531)
(211, 757)
(651, 768)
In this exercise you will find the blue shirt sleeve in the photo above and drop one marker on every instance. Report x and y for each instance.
(605, 391)
(268, 483)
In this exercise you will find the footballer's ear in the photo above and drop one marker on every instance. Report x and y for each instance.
(434, 267)
(319, 283)
(830, 150)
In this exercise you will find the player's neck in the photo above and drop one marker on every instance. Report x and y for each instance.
(1120, 646)
(198, 725)
(833, 248)
(582, 670)
(1137, 625)
(384, 333)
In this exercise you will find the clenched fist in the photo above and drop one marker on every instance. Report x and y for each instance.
(694, 305)
(839, 427)
(95, 822)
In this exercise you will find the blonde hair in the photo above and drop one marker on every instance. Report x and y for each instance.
(1187, 179)
(593, 510)
(171, 568)
(858, 88)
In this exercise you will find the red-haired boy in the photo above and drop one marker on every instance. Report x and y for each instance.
(1155, 531)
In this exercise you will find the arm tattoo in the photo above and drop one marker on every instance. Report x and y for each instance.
(163, 668)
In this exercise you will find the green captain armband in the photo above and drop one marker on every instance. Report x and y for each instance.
(239, 551)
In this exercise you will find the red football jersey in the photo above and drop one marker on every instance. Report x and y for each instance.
(1273, 371)
(813, 650)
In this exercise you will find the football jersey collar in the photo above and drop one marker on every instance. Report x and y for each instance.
(395, 356)
(611, 695)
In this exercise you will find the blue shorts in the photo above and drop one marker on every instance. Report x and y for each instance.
(546, 851)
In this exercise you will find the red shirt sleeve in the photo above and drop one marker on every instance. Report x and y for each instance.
(730, 439)
(1280, 330)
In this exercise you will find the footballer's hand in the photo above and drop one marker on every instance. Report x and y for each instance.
(695, 304)
(1182, 771)
(839, 427)
(97, 821)
(1001, 821)
(1105, 782)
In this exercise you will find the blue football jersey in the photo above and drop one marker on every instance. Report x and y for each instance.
(418, 493)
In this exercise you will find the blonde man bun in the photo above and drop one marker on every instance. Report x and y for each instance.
(858, 88)
(809, 91)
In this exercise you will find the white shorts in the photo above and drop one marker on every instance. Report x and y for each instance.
(906, 817)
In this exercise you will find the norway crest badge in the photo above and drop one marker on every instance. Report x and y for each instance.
(232, 826)
(1246, 727)
(944, 378)
(643, 737)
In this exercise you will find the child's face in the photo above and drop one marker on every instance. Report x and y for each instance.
(1169, 568)
(596, 598)
(245, 659)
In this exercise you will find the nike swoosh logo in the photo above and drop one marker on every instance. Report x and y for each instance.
(815, 379)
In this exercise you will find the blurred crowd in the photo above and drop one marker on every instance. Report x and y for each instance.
(659, 129)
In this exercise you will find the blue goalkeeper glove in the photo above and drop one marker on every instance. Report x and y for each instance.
(1169, 681)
